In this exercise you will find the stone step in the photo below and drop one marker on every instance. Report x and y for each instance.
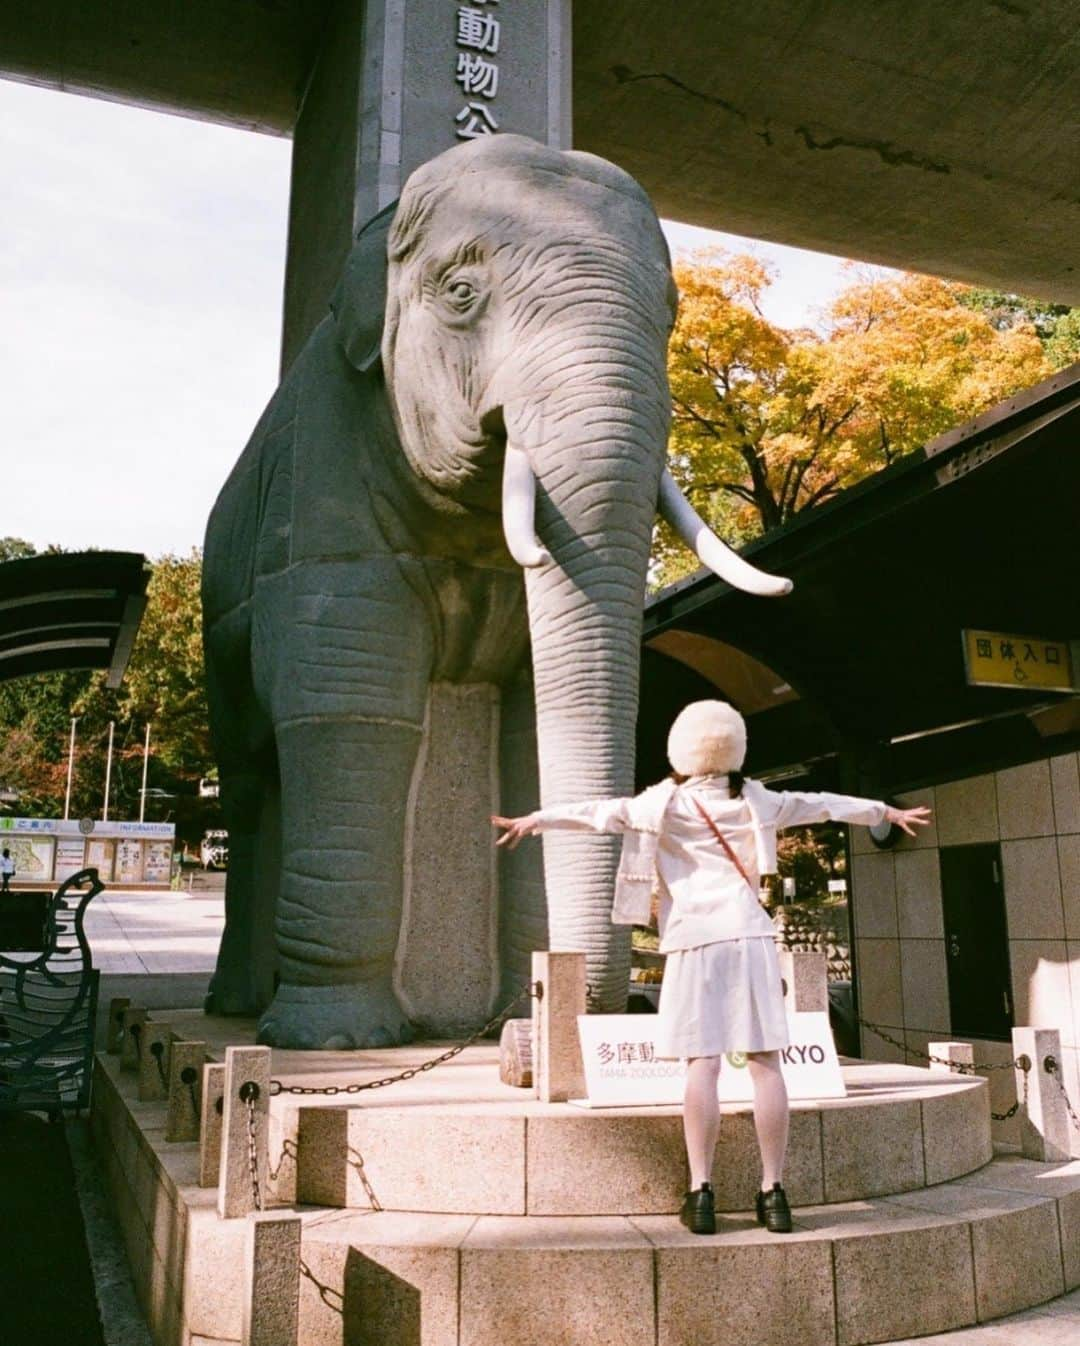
(900, 1129)
(966, 1251)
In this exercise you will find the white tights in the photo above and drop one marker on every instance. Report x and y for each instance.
(701, 1115)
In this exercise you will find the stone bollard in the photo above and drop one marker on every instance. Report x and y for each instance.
(959, 1056)
(185, 1088)
(806, 981)
(1044, 1123)
(211, 1110)
(156, 1040)
(131, 1024)
(244, 1129)
(114, 1031)
(272, 1302)
(558, 1070)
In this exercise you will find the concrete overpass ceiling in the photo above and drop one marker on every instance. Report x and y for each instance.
(944, 138)
(241, 62)
(940, 137)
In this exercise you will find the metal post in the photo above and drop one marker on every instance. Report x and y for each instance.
(108, 773)
(145, 764)
(71, 764)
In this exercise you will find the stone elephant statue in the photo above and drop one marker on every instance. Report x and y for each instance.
(488, 396)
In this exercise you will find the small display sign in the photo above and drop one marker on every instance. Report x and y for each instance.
(997, 659)
(622, 1069)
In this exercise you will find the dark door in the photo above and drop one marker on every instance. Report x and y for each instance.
(976, 941)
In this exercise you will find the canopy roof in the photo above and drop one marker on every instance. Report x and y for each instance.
(72, 610)
(864, 662)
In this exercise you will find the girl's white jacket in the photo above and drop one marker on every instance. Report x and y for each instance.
(641, 819)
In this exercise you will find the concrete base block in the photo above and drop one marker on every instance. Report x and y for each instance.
(719, 1294)
(1015, 1243)
(641, 1158)
(736, 1174)
(956, 1133)
(387, 1278)
(458, 1164)
(519, 1286)
(868, 1152)
(894, 1282)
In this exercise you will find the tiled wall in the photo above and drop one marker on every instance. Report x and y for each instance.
(1033, 811)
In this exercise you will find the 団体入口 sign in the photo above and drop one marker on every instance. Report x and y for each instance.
(997, 659)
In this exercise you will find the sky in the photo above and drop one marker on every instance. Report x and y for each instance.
(141, 274)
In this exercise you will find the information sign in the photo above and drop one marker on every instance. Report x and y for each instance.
(997, 659)
(622, 1069)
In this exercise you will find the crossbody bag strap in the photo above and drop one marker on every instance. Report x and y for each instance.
(727, 849)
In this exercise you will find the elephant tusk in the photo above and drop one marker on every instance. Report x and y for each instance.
(519, 511)
(717, 555)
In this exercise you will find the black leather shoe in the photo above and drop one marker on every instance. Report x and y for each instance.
(773, 1210)
(699, 1211)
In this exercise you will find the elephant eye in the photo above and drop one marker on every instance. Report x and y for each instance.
(461, 294)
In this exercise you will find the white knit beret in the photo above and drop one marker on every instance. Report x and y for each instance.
(707, 738)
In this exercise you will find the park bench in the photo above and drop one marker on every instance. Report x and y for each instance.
(48, 1004)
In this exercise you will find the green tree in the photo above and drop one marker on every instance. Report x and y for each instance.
(769, 422)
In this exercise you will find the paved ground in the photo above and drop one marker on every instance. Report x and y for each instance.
(155, 932)
(160, 948)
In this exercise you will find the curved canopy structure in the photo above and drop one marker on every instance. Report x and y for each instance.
(71, 610)
(865, 661)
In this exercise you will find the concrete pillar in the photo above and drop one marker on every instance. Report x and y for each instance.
(244, 1128)
(185, 1088)
(806, 982)
(155, 1042)
(131, 1025)
(272, 1302)
(1044, 1123)
(558, 1070)
(211, 1113)
(114, 1030)
(386, 93)
(956, 1057)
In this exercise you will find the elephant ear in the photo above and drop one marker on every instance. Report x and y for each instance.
(359, 302)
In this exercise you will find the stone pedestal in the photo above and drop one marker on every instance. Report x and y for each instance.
(447, 957)
(558, 1070)
(1044, 1124)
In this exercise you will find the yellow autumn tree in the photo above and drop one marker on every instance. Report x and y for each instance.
(769, 422)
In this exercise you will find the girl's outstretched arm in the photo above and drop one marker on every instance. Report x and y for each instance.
(589, 815)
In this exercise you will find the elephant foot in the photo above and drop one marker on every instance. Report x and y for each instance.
(335, 1018)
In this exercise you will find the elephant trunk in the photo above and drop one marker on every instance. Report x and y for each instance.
(597, 478)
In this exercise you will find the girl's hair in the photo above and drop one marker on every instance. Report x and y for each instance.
(735, 781)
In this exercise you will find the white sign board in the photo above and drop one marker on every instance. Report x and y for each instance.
(622, 1069)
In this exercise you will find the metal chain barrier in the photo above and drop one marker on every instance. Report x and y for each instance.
(1055, 1070)
(1022, 1063)
(288, 1151)
(356, 1162)
(277, 1087)
(249, 1092)
(327, 1293)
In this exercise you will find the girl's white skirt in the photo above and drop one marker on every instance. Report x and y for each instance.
(722, 997)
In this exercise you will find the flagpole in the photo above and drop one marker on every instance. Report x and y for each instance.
(108, 773)
(145, 763)
(71, 764)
